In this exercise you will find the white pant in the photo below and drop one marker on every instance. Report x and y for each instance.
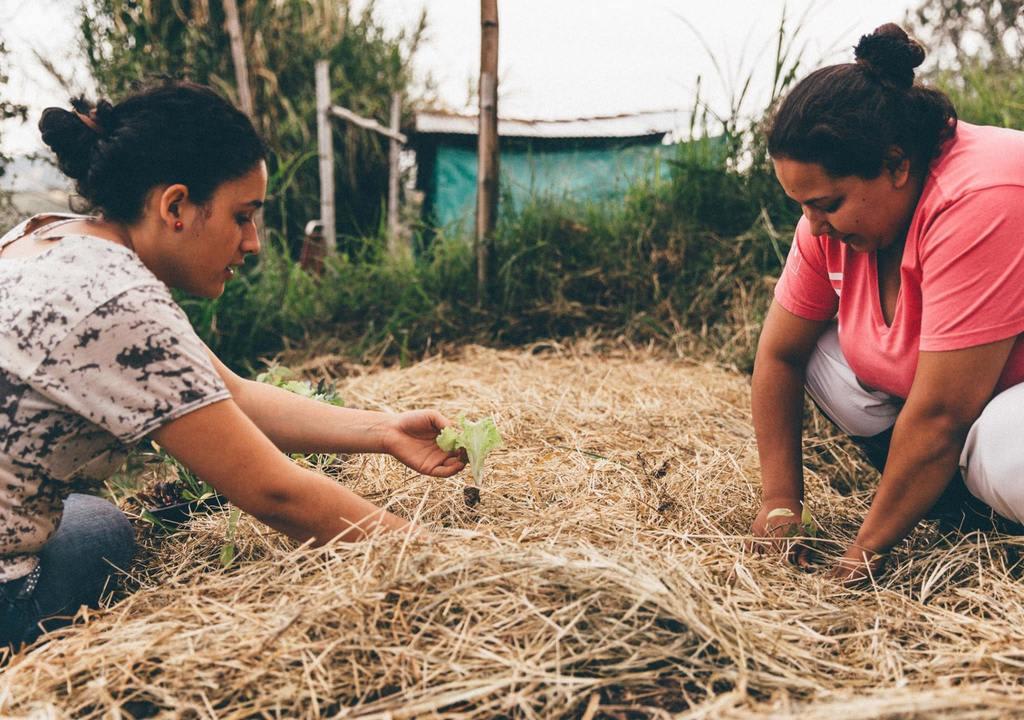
(992, 461)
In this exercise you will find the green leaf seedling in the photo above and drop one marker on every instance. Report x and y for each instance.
(805, 528)
(478, 439)
(227, 551)
(283, 377)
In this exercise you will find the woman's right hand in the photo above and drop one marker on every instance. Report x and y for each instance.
(784, 350)
(777, 522)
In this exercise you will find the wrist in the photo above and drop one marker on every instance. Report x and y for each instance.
(780, 500)
(779, 490)
(383, 433)
(861, 551)
(869, 541)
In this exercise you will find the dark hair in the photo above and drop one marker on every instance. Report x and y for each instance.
(847, 117)
(165, 133)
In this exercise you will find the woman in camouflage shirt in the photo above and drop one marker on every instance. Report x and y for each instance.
(96, 355)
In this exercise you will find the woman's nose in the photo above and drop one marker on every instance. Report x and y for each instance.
(251, 240)
(816, 218)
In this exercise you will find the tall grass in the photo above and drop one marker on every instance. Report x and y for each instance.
(984, 95)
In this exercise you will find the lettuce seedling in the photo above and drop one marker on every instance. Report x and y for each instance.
(476, 438)
(283, 377)
(806, 526)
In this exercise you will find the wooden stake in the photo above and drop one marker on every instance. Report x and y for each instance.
(238, 56)
(487, 146)
(395, 246)
(325, 147)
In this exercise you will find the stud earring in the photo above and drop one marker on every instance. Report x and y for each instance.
(178, 226)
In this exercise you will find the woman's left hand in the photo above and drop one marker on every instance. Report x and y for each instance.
(858, 565)
(412, 438)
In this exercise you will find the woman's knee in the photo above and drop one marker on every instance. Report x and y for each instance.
(993, 459)
(834, 387)
(93, 535)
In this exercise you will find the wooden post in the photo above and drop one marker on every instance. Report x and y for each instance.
(325, 147)
(238, 56)
(487, 146)
(395, 247)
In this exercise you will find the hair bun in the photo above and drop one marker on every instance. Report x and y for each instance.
(890, 55)
(71, 140)
(104, 116)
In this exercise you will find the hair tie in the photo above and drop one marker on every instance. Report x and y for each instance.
(90, 121)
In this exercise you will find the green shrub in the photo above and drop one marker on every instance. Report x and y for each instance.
(126, 40)
(685, 254)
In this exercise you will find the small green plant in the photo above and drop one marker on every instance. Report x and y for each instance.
(172, 484)
(283, 377)
(175, 483)
(227, 552)
(805, 528)
(476, 438)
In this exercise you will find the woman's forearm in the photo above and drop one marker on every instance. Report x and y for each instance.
(302, 425)
(222, 445)
(923, 458)
(321, 510)
(777, 397)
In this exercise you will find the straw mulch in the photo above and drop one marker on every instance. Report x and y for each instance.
(602, 575)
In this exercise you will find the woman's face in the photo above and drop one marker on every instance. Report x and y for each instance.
(218, 235)
(867, 215)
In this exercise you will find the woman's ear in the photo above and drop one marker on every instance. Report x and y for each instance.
(172, 204)
(897, 164)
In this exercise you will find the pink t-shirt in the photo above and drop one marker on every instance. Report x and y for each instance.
(961, 277)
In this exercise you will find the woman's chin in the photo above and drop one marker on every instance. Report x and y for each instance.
(858, 243)
(207, 292)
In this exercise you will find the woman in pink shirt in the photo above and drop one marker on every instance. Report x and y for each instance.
(901, 305)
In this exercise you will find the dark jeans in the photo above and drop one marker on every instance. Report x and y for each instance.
(93, 541)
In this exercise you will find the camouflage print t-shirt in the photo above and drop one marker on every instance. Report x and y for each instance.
(94, 355)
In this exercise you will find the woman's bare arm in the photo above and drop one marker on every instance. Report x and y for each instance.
(777, 400)
(220, 444)
(950, 391)
(299, 424)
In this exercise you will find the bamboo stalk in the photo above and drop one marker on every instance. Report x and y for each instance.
(325, 147)
(487, 147)
(394, 177)
(238, 57)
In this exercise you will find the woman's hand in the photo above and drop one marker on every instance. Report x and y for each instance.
(858, 565)
(412, 438)
(774, 533)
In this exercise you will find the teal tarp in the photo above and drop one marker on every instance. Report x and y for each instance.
(582, 173)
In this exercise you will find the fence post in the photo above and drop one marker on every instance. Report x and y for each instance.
(395, 247)
(487, 142)
(326, 151)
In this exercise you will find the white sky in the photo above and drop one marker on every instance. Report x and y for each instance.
(557, 58)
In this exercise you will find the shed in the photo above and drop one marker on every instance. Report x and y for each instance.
(592, 158)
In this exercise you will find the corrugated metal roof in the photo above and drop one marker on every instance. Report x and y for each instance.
(608, 126)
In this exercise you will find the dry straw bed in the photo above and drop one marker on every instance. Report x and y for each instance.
(602, 575)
